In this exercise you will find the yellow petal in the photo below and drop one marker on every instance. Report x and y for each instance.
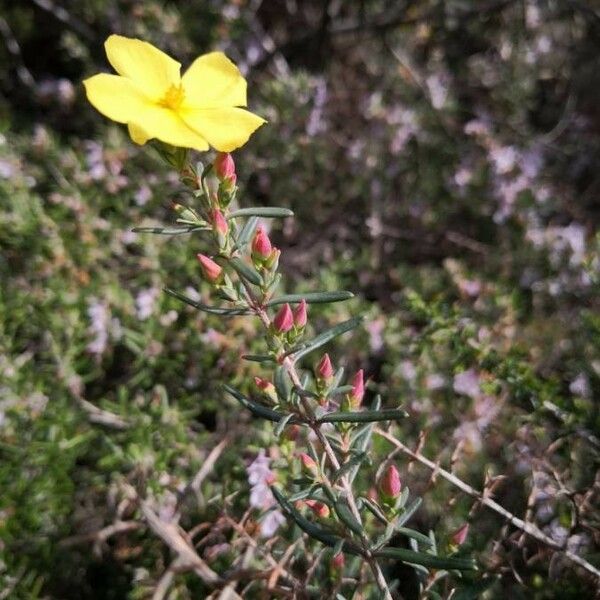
(165, 125)
(153, 70)
(213, 81)
(117, 98)
(225, 129)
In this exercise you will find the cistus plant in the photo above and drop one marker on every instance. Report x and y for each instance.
(331, 487)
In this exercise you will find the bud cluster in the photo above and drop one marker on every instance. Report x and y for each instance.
(319, 420)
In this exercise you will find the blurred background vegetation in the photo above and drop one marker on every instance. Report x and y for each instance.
(443, 162)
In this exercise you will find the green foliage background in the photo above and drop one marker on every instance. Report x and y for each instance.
(442, 161)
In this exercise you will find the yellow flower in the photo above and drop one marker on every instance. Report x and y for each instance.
(198, 109)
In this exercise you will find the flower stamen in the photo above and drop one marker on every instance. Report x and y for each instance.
(173, 98)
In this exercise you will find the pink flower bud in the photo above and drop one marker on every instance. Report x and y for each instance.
(358, 389)
(224, 166)
(308, 464)
(319, 508)
(263, 384)
(284, 319)
(273, 261)
(300, 314)
(338, 562)
(291, 432)
(390, 484)
(219, 222)
(460, 535)
(325, 368)
(210, 269)
(261, 245)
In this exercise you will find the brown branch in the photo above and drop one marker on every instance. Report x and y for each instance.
(528, 528)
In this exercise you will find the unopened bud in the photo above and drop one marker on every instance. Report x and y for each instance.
(300, 314)
(261, 245)
(319, 508)
(210, 269)
(309, 466)
(325, 368)
(358, 389)
(338, 562)
(284, 319)
(225, 166)
(291, 432)
(273, 261)
(390, 484)
(219, 222)
(264, 385)
(460, 535)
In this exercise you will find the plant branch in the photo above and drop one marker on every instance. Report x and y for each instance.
(524, 526)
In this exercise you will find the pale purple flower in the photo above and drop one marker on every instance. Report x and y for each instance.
(271, 523)
(145, 302)
(316, 123)
(100, 318)
(438, 84)
(435, 381)
(467, 383)
(375, 329)
(142, 195)
(580, 386)
(259, 477)
(408, 370)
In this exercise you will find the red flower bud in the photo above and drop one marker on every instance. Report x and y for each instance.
(308, 464)
(338, 562)
(261, 244)
(263, 384)
(284, 319)
(460, 535)
(219, 222)
(358, 389)
(291, 432)
(325, 368)
(225, 167)
(210, 269)
(300, 314)
(319, 508)
(390, 484)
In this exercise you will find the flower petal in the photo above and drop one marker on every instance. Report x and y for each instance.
(213, 81)
(164, 125)
(225, 129)
(117, 98)
(153, 70)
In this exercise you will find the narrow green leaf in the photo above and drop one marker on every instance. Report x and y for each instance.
(246, 271)
(345, 514)
(282, 424)
(365, 416)
(337, 378)
(355, 461)
(342, 389)
(213, 310)
(415, 535)
(311, 298)
(260, 358)
(281, 384)
(374, 509)
(170, 230)
(257, 409)
(313, 530)
(410, 510)
(427, 560)
(328, 335)
(247, 232)
(261, 211)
